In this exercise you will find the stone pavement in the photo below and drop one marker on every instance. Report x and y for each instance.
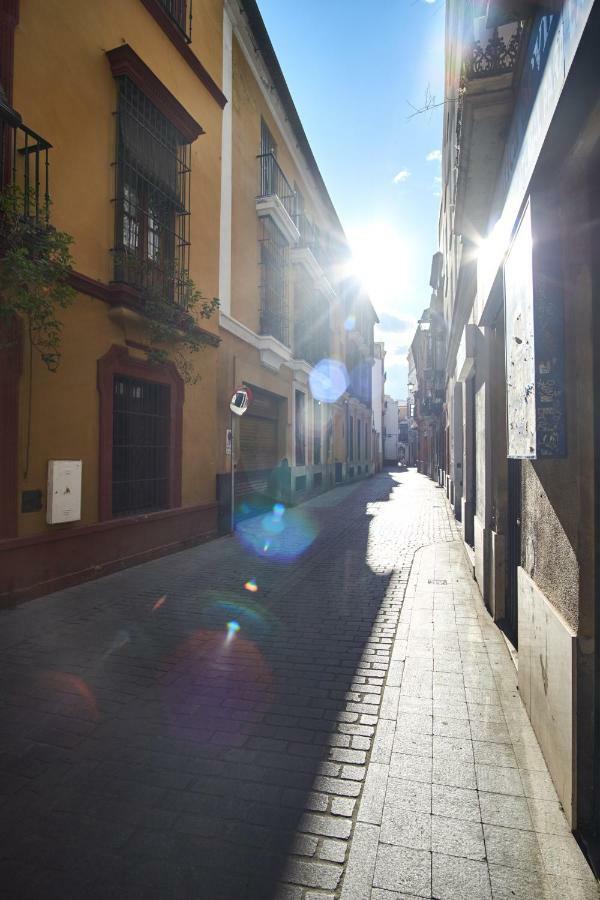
(354, 731)
(457, 803)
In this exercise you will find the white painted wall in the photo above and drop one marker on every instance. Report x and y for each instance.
(390, 424)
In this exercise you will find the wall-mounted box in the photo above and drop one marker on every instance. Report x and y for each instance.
(64, 491)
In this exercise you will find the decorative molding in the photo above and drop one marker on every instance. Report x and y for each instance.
(301, 370)
(303, 256)
(124, 295)
(273, 207)
(159, 14)
(125, 61)
(118, 361)
(273, 354)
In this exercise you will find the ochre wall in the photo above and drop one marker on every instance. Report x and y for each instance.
(64, 90)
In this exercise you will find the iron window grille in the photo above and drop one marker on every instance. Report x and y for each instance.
(273, 181)
(317, 432)
(180, 12)
(152, 244)
(141, 427)
(274, 311)
(300, 432)
(311, 321)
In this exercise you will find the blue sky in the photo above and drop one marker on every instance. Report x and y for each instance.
(353, 67)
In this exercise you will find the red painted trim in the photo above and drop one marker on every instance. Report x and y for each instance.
(125, 61)
(169, 27)
(118, 362)
(33, 566)
(124, 295)
(11, 361)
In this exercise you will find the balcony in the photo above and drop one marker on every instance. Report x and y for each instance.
(276, 197)
(484, 108)
(309, 253)
(24, 163)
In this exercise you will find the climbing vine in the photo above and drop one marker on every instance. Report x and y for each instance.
(173, 331)
(35, 266)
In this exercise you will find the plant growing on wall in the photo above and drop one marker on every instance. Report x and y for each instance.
(35, 265)
(172, 326)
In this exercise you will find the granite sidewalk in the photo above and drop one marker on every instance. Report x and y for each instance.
(457, 800)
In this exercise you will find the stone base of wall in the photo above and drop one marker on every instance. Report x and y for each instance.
(547, 683)
(33, 566)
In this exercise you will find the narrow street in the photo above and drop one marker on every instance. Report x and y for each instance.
(318, 707)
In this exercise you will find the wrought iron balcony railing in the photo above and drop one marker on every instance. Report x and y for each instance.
(497, 54)
(180, 11)
(24, 163)
(272, 182)
(308, 231)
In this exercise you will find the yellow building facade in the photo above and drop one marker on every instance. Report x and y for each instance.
(169, 159)
(294, 327)
(132, 109)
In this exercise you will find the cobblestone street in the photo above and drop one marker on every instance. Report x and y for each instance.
(319, 707)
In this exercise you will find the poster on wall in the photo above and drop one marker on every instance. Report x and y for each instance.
(536, 426)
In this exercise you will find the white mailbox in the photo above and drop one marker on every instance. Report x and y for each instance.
(64, 491)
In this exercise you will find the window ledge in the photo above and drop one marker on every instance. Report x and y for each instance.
(273, 207)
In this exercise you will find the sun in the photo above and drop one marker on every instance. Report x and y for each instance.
(379, 260)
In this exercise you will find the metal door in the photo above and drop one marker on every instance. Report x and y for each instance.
(513, 556)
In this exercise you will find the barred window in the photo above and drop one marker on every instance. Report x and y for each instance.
(317, 431)
(311, 321)
(180, 11)
(141, 421)
(274, 313)
(152, 199)
(300, 432)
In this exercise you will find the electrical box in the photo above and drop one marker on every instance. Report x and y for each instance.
(63, 502)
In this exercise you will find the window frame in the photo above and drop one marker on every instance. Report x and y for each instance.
(119, 362)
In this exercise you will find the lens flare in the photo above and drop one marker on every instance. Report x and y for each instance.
(232, 630)
(251, 586)
(71, 691)
(216, 669)
(328, 380)
(350, 323)
(282, 534)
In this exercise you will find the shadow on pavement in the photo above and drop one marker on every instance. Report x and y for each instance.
(164, 729)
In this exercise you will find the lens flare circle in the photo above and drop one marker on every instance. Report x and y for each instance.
(281, 535)
(328, 380)
(251, 585)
